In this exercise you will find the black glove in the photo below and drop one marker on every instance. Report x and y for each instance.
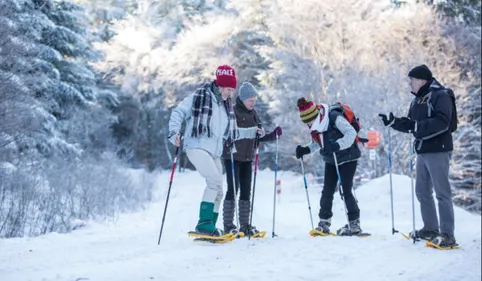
(331, 147)
(387, 121)
(301, 150)
(363, 140)
(404, 124)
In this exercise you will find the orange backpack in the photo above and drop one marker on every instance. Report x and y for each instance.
(350, 117)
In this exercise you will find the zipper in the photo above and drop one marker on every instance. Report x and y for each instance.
(219, 126)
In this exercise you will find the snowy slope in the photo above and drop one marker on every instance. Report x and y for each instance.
(128, 250)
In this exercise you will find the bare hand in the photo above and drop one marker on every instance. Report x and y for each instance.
(260, 132)
(178, 141)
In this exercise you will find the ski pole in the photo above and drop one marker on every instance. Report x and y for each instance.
(275, 181)
(306, 189)
(234, 181)
(413, 190)
(340, 190)
(235, 192)
(169, 190)
(391, 184)
(256, 143)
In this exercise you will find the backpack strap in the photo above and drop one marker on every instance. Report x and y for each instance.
(429, 104)
(428, 98)
(333, 114)
(414, 101)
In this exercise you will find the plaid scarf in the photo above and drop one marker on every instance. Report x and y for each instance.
(202, 111)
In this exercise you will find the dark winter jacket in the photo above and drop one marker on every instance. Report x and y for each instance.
(432, 133)
(333, 134)
(339, 130)
(247, 121)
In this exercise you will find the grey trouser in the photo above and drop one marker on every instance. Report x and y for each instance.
(433, 173)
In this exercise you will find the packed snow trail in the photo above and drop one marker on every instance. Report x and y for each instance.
(128, 250)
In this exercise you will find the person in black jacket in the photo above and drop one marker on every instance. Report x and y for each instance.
(243, 153)
(332, 133)
(430, 119)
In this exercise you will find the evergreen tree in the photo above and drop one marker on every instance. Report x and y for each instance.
(267, 149)
(462, 11)
(55, 140)
(77, 93)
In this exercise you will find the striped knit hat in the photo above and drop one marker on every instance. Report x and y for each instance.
(308, 110)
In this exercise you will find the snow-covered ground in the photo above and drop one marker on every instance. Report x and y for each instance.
(128, 250)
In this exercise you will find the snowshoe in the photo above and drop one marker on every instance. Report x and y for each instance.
(233, 230)
(443, 241)
(206, 231)
(217, 239)
(252, 232)
(323, 229)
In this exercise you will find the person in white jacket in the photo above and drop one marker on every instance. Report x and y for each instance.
(210, 120)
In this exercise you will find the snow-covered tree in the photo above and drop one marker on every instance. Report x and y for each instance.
(18, 109)
(68, 35)
(461, 11)
(160, 53)
(55, 133)
(267, 149)
(332, 51)
(104, 13)
(466, 161)
(463, 26)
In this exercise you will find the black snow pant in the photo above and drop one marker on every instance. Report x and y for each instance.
(347, 172)
(242, 179)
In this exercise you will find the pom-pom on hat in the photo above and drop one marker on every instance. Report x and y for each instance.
(308, 110)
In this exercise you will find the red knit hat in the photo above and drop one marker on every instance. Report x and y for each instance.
(308, 110)
(226, 77)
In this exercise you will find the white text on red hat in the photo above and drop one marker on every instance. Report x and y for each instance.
(220, 72)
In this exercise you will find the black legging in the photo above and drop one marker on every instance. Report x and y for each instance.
(347, 172)
(243, 172)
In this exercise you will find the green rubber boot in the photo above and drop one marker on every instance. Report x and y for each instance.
(206, 224)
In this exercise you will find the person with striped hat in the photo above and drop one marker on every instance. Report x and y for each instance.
(333, 136)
